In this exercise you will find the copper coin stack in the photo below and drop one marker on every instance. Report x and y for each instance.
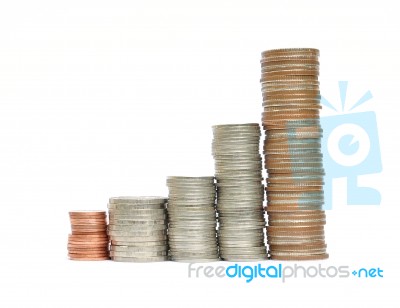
(292, 149)
(88, 240)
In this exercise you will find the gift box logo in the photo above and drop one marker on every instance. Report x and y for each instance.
(350, 149)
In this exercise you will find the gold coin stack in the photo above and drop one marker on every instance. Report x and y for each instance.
(88, 240)
(293, 158)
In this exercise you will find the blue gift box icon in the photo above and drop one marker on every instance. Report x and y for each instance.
(350, 148)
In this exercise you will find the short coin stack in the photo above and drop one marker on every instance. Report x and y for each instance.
(293, 159)
(240, 192)
(88, 239)
(138, 229)
(192, 219)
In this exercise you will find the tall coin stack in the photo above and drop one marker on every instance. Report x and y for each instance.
(138, 229)
(192, 219)
(292, 149)
(240, 192)
(88, 239)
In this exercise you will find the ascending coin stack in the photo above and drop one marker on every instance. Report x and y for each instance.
(240, 192)
(138, 229)
(88, 239)
(192, 219)
(293, 159)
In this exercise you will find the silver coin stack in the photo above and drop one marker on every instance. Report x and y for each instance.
(138, 229)
(192, 219)
(240, 192)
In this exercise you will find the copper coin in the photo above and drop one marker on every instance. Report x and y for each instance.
(87, 233)
(315, 214)
(88, 255)
(291, 72)
(87, 213)
(300, 258)
(289, 223)
(298, 247)
(278, 51)
(271, 180)
(89, 258)
(88, 250)
(293, 208)
(287, 197)
(78, 243)
(279, 68)
(308, 61)
(287, 95)
(288, 78)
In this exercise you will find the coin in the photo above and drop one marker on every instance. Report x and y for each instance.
(142, 200)
(139, 259)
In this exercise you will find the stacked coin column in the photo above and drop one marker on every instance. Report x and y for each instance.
(293, 159)
(88, 239)
(138, 229)
(240, 192)
(192, 219)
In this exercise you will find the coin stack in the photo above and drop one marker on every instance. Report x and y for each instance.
(88, 240)
(192, 219)
(292, 149)
(240, 192)
(138, 229)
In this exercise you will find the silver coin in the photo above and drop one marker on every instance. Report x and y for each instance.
(195, 254)
(209, 208)
(190, 178)
(138, 239)
(197, 221)
(206, 248)
(141, 222)
(138, 200)
(143, 249)
(140, 244)
(136, 233)
(140, 259)
(196, 260)
(189, 199)
(135, 254)
(137, 211)
(236, 125)
(191, 189)
(137, 216)
(244, 259)
(250, 233)
(180, 242)
(189, 203)
(133, 207)
(243, 244)
(136, 228)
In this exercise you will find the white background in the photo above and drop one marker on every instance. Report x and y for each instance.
(107, 98)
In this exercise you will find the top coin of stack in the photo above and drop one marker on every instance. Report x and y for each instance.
(292, 149)
(192, 219)
(88, 240)
(138, 229)
(240, 193)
